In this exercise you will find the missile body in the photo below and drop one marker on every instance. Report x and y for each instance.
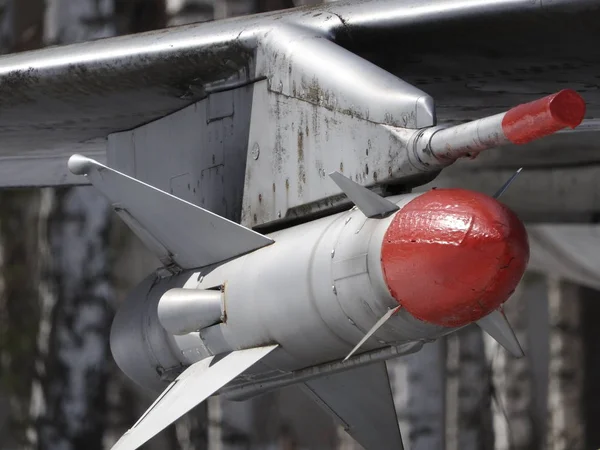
(394, 271)
(447, 257)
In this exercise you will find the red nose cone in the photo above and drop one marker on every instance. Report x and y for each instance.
(452, 256)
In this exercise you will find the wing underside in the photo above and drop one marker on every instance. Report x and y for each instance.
(469, 56)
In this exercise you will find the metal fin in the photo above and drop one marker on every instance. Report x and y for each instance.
(361, 401)
(371, 204)
(178, 232)
(505, 186)
(497, 326)
(375, 327)
(192, 387)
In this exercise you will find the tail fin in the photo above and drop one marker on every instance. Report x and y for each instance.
(192, 387)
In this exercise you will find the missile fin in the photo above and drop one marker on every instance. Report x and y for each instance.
(192, 387)
(361, 401)
(497, 326)
(373, 329)
(371, 204)
(505, 186)
(178, 232)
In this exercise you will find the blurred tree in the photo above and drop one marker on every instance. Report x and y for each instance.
(71, 406)
(21, 23)
(474, 428)
(513, 384)
(566, 426)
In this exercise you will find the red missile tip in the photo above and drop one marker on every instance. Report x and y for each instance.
(452, 256)
(542, 117)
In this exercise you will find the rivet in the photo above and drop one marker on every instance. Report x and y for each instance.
(333, 253)
(255, 151)
(334, 289)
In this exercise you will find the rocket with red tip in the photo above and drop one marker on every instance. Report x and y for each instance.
(324, 296)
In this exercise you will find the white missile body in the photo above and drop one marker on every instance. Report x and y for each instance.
(316, 292)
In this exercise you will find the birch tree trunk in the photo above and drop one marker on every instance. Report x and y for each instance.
(566, 428)
(512, 382)
(474, 430)
(69, 404)
(418, 384)
(18, 308)
(76, 369)
(20, 27)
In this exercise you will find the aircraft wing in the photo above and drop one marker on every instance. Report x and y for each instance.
(474, 57)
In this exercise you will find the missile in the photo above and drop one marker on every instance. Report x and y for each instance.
(328, 295)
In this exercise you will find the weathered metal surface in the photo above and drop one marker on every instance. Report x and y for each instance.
(299, 63)
(299, 144)
(464, 54)
(197, 154)
(325, 117)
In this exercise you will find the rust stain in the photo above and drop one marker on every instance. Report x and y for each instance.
(301, 169)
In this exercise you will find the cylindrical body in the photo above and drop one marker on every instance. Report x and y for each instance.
(316, 292)
(447, 257)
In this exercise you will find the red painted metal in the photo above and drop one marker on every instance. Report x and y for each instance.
(542, 117)
(452, 256)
